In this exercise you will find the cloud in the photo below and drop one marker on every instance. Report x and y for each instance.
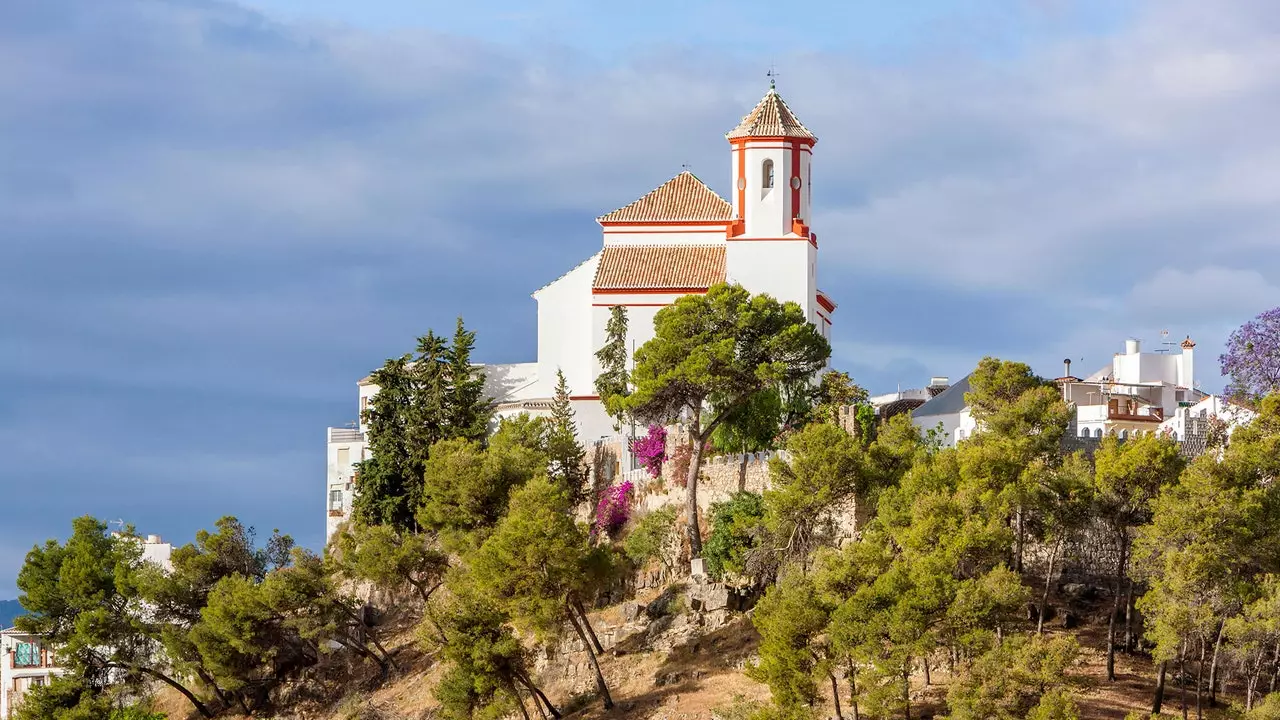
(214, 221)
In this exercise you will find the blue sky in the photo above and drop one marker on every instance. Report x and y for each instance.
(217, 216)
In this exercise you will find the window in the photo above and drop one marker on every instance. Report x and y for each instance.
(26, 655)
(335, 500)
(766, 174)
(1084, 432)
(344, 458)
(1097, 433)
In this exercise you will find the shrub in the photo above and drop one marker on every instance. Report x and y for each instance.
(651, 450)
(613, 510)
(736, 526)
(649, 536)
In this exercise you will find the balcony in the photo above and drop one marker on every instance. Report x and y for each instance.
(1134, 412)
(337, 435)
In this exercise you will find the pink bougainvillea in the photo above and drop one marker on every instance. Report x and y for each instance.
(651, 450)
(614, 509)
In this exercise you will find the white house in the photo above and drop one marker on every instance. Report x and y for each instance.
(679, 238)
(25, 663)
(1139, 392)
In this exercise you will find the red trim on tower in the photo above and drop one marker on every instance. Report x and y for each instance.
(584, 397)
(795, 175)
(824, 302)
(798, 227)
(773, 138)
(739, 226)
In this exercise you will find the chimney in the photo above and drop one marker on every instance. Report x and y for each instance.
(153, 539)
(1187, 365)
(939, 381)
(1132, 346)
(1066, 368)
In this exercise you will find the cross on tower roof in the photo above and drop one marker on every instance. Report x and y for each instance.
(773, 76)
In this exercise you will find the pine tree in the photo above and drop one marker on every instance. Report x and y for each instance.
(468, 408)
(567, 457)
(613, 384)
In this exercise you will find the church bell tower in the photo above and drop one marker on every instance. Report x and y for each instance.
(771, 154)
(770, 247)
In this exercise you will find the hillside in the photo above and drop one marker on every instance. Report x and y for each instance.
(702, 678)
(9, 609)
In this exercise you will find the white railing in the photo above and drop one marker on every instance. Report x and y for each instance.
(345, 435)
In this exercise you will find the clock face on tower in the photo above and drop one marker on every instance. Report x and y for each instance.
(795, 183)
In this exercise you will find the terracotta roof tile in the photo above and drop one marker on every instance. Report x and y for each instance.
(771, 118)
(683, 197)
(650, 267)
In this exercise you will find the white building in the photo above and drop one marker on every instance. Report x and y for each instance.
(678, 239)
(24, 663)
(1139, 392)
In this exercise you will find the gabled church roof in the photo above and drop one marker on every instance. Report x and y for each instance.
(682, 198)
(771, 118)
(660, 267)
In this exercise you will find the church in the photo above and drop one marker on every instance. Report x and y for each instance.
(679, 238)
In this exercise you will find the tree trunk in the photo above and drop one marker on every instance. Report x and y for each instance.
(1213, 666)
(515, 692)
(691, 486)
(925, 661)
(1200, 681)
(906, 692)
(595, 663)
(1115, 607)
(1048, 582)
(1017, 560)
(1182, 678)
(1158, 701)
(835, 695)
(853, 691)
(1129, 611)
(1275, 668)
(195, 701)
(528, 682)
(582, 613)
(742, 473)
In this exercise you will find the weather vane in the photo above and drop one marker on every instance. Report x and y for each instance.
(773, 76)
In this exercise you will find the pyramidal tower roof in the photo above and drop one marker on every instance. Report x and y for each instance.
(771, 118)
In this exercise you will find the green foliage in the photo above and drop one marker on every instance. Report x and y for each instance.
(64, 698)
(613, 384)
(83, 598)
(752, 427)
(432, 395)
(789, 618)
(466, 487)
(535, 557)
(719, 350)
(1020, 678)
(487, 662)
(737, 526)
(649, 536)
(567, 459)
(1268, 709)
(826, 467)
(390, 559)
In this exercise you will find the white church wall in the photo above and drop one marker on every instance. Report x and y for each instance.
(780, 268)
(565, 328)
